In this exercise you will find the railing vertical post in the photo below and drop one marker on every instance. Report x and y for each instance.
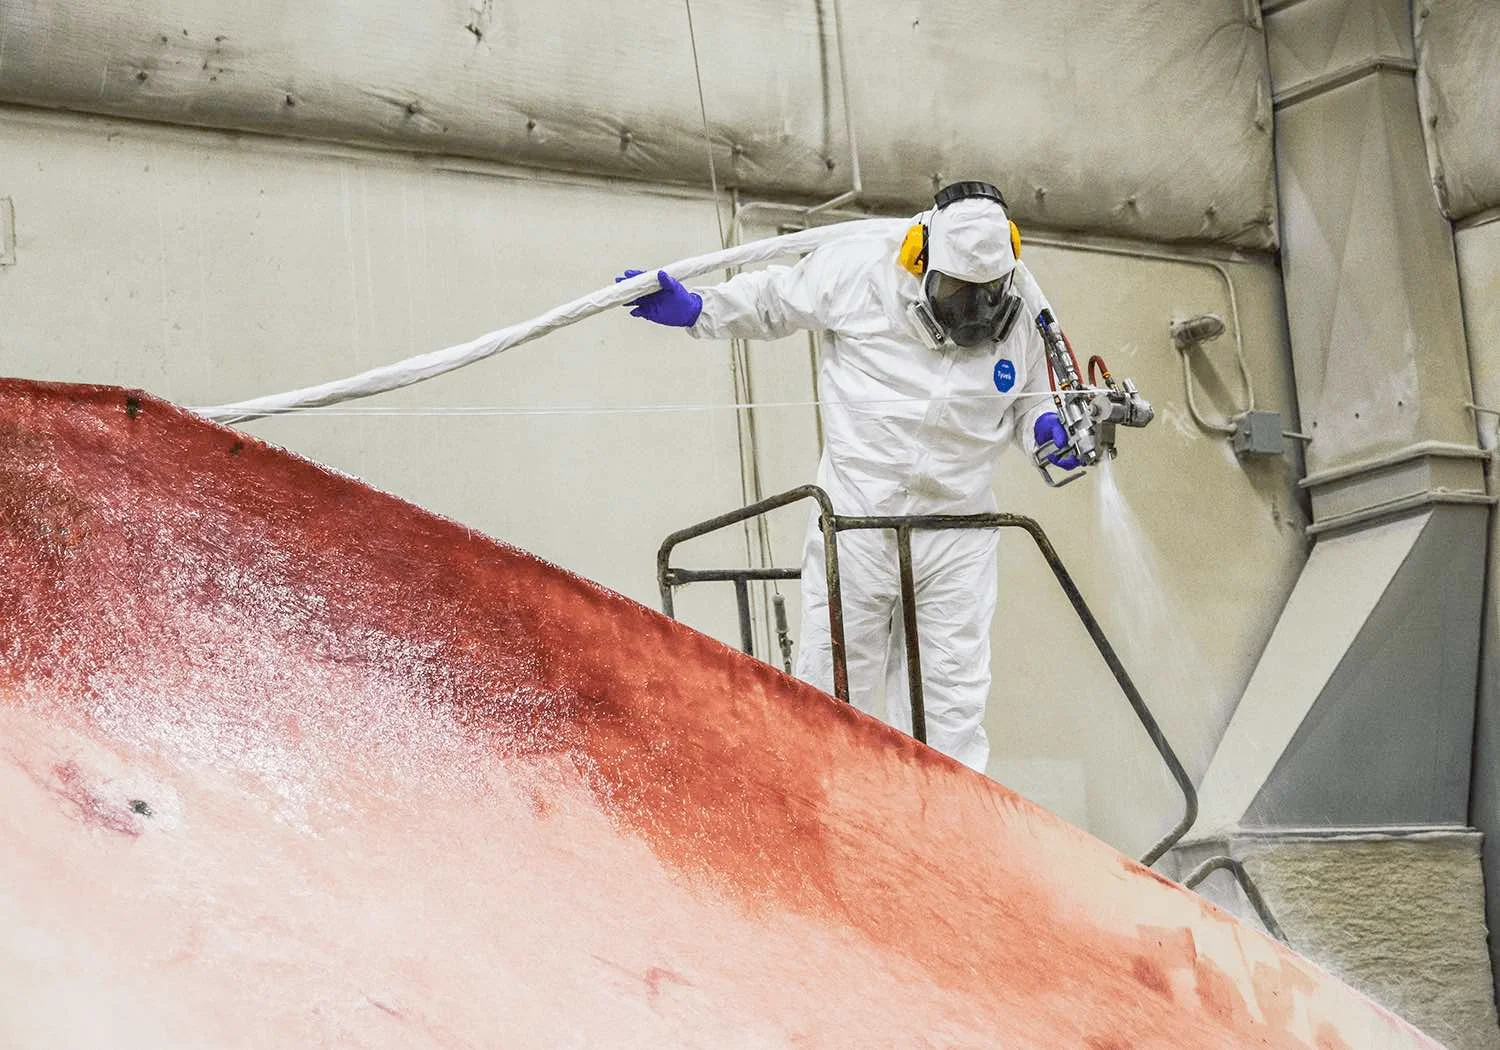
(742, 602)
(828, 522)
(913, 640)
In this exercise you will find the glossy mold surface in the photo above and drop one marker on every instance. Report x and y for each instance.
(286, 761)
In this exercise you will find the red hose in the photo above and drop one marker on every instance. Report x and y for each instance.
(1052, 382)
(1103, 369)
(1068, 343)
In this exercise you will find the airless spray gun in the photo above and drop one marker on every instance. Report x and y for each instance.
(1089, 418)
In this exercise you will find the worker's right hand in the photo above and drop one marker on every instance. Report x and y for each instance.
(1049, 427)
(674, 305)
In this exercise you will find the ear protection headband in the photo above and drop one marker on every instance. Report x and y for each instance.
(913, 254)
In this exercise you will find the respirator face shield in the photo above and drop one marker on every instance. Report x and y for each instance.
(972, 314)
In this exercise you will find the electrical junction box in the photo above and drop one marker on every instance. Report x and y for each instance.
(1259, 434)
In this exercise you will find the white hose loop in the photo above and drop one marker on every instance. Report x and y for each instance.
(426, 366)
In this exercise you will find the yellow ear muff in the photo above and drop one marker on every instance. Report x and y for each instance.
(1015, 239)
(913, 254)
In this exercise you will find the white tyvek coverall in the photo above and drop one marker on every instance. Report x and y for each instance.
(908, 430)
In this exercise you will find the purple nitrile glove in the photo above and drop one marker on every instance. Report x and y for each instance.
(1048, 427)
(674, 305)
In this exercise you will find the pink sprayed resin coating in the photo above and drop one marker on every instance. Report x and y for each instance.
(286, 761)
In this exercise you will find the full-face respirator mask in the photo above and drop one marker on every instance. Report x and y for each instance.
(968, 313)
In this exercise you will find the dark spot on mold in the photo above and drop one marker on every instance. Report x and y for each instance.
(85, 805)
(236, 448)
(142, 75)
(140, 806)
(413, 107)
(478, 33)
(290, 101)
(132, 407)
(530, 125)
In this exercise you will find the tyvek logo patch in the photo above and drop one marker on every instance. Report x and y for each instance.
(1005, 375)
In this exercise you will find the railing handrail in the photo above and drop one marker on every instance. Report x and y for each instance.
(831, 524)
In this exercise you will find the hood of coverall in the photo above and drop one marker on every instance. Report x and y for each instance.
(971, 266)
(970, 240)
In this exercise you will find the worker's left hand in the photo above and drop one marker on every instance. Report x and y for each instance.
(1049, 427)
(674, 305)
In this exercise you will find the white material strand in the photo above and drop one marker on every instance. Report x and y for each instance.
(436, 363)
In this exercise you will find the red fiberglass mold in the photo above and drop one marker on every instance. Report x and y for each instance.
(287, 762)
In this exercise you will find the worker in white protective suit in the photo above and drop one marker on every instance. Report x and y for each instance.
(928, 335)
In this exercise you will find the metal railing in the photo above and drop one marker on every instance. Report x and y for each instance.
(831, 524)
(1241, 876)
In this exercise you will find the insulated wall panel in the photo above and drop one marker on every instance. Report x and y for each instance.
(1458, 79)
(1150, 119)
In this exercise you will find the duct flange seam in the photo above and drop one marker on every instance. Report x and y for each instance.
(1434, 449)
(1399, 508)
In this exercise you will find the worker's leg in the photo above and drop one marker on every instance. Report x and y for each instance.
(956, 589)
(867, 567)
